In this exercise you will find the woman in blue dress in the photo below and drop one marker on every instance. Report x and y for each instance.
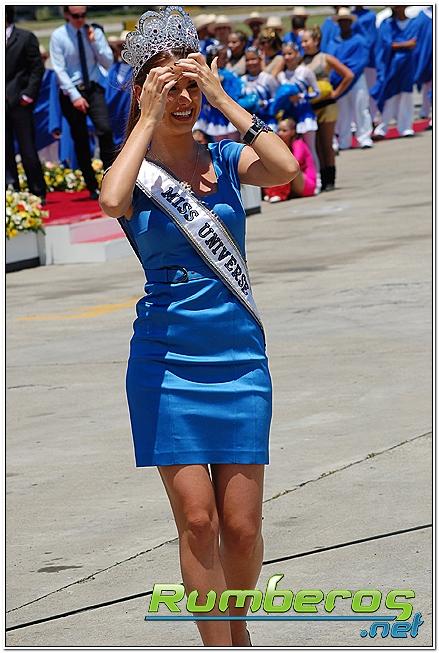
(198, 383)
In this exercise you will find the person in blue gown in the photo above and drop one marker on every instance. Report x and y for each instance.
(395, 63)
(424, 58)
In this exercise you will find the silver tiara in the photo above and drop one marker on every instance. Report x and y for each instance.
(156, 32)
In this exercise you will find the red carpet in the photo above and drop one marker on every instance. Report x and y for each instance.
(69, 208)
(65, 208)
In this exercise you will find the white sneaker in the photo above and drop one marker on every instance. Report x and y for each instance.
(408, 132)
(275, 198)
(266, 198)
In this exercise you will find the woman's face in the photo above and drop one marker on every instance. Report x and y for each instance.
(235, 44)
(182, 107)
(286, 131)
(308, 44)
(253, 63)
(291, 56)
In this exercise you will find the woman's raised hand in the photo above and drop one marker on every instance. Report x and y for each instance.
(195, 67)
(152, 100)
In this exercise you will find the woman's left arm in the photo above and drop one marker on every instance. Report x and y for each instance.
(268, 162)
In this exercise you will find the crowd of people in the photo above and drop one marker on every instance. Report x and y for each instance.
(315, 86)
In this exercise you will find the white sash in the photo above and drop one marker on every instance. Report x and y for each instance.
(203, 228)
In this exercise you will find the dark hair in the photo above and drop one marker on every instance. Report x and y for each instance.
(298, 22)
(67, 10)
(207, 136)
(213, 51)
(242, 36)
(268, 34)
(10, 14)
(159, 59)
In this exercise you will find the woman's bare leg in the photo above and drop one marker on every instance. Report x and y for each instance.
(326, 151)
(192, 499)
(239, 492)
(297, 185)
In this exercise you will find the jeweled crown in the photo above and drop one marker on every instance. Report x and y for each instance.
(168, 29)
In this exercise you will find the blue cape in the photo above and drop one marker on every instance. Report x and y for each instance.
(330, 30)
(395, 68)
(67, 154)
(43, 136)
(354, 53)
(118, 98)
(423, 52)
(365, 26)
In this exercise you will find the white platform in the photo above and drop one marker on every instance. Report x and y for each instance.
(102, 239)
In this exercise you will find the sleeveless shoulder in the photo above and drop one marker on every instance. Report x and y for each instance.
(227, 153)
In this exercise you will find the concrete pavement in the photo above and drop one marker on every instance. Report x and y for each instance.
(343, 282)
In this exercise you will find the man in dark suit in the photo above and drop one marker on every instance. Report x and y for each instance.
(24, 72)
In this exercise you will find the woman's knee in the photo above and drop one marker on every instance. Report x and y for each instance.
(201, 524)
(241, 536)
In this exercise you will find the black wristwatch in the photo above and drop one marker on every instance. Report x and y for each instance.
(256, 128)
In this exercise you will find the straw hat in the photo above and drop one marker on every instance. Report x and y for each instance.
(200, 21)
(255, 17)
(300, 11)
(222, 21)
(274, 22)
(344, 14)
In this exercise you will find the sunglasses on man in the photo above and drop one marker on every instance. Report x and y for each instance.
(83, 15)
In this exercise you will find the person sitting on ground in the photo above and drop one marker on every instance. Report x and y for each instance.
(304, 185)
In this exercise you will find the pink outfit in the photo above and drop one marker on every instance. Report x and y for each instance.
(305, 159)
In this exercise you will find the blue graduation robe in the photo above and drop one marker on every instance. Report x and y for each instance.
(43, 136)
(423, 52)
(330, 30)
(118, 98)
(354, 53)
(395, 68)
(365, 26)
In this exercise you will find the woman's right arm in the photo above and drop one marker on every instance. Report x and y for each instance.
(118, 183)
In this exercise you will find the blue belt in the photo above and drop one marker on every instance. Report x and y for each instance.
(176, 274)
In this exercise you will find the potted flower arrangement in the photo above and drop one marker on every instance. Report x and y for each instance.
(61, 178)
(24, 224)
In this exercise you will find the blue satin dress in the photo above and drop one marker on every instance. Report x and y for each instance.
(198, 384)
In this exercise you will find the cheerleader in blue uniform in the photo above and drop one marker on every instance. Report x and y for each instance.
(296, 73)
(395, 61)
(211, 120)
(198, 384)
(259, 88)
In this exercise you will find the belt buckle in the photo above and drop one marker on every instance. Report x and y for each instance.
(182, 269)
